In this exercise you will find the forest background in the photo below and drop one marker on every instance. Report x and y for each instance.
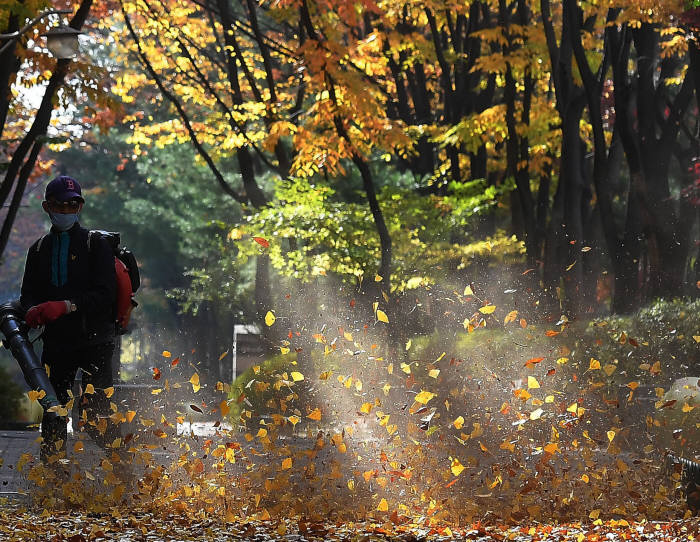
(417, 162)
(468, 232)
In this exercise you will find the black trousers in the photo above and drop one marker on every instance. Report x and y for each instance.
(96, 364)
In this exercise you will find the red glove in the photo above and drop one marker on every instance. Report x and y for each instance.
(44, 313)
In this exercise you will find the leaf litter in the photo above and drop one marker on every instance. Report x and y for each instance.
(446, 447)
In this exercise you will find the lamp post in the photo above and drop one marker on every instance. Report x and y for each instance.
(61, 41)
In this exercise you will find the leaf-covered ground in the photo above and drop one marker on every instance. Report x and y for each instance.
(526, 437)
(17, 525)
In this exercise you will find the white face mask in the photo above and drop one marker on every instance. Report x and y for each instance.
(63, 222)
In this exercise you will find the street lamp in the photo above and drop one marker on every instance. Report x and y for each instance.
(62, 41)
(62, 51)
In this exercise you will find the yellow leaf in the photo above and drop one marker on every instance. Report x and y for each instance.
(262, 433)
(549, 399)
(34, 395)
(459, 422)
(351, 485)
(408, 344)
(611, 435)
(468, 291)
(551, 448)
(269, 318)
(573, 408)
(456, 467)
(532, 383)
(585, 478)
(284, 350)
(297, 376)
(488, 309)
(405, 367)
(536, 414)
(609, 369)
(235, 234)
(593, 365)
(287, 463)
(294, 420)
(381, 316)
(89, 389)
(166, 354)
(687, 407)
(562, 361)
(512, 315)
(697, 338)
(433, 373)
(109, 392)
(383, 506)
(366, 408)
(424, 396)
(314, 415)
(194, 380)
(130, 416)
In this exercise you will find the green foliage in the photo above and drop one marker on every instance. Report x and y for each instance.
(270, 388)
(663, 331)
(313, 231)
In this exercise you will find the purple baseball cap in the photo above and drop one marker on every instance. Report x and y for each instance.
(63, 188)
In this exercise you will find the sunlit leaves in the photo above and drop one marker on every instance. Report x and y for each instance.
(194, 380)
(315, 415)
(269, 318)
(594, 364)
(487, 309)
(424, 397)
(36, 395)
(456, 467)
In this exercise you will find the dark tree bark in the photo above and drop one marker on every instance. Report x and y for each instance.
(25, 155)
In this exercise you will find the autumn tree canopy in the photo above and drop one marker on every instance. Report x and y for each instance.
(422, 127)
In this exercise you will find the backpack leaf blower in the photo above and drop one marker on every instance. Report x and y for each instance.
(16, 340)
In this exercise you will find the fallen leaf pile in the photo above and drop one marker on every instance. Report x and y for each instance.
(354, 433)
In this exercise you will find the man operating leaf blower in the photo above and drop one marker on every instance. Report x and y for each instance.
(70, 288)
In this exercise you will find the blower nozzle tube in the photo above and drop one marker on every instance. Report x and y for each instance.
(13, 328)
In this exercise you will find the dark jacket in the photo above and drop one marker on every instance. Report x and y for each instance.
(60, 268)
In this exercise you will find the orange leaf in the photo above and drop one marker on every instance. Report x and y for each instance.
(551, 333)
(315, 415)
(532, 362)
(261, 241)
(156, 373)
